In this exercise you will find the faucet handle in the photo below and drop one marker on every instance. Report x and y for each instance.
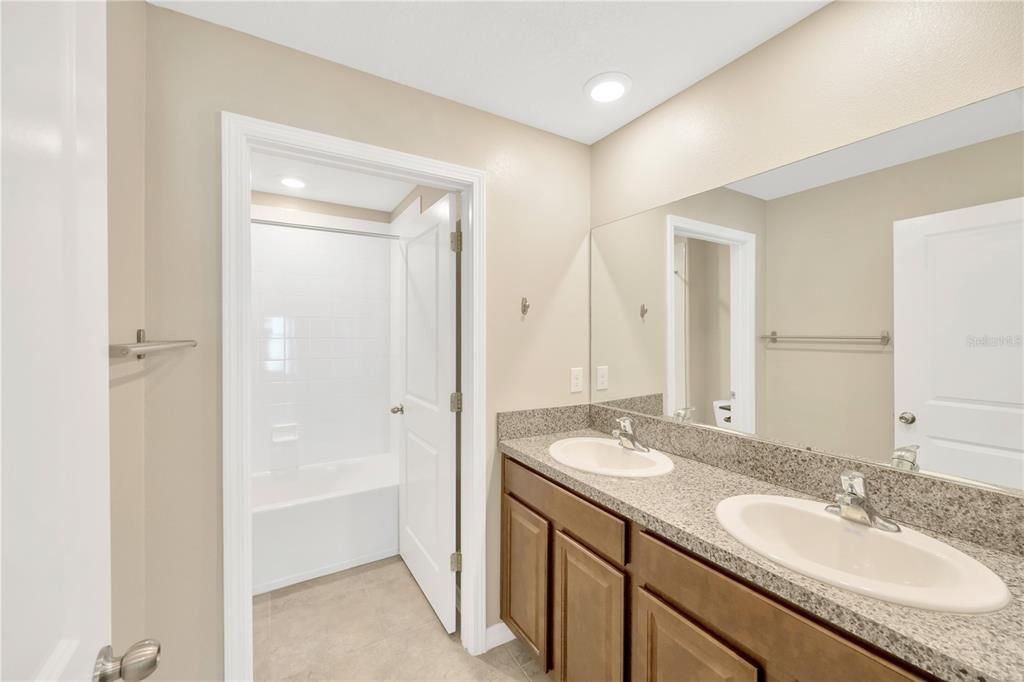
(625, 423)
(853, 483)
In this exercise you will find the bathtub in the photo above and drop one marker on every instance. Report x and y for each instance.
(318, 519)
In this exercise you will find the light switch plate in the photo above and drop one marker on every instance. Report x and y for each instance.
(602, 378)
(576, 380)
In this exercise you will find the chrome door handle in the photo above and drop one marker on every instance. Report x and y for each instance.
(398, 409)
(138, 663)
(907, 418)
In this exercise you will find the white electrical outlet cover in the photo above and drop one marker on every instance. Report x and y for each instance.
(576, 380)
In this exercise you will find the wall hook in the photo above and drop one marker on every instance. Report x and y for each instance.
(643, 310)
(524, 307)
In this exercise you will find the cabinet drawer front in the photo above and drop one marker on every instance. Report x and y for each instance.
(602, 532)
(589, 611)
(785, 643)
(668, 647)
(524, 603)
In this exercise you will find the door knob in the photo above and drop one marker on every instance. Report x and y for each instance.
(907, 418)
(138, 663)
(398, 409)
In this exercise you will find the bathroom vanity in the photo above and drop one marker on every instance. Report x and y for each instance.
(612, 579)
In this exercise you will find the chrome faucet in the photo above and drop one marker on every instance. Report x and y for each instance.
(852, 504)
(627, 438)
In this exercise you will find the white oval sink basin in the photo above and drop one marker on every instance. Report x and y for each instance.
(606, 456)
(906, 568)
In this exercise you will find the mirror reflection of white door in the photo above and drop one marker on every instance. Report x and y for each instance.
(55, 589)
(423, 381)
(959, 359)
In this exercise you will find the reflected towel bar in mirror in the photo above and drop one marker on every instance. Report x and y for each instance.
(883, 339)
(141, 347)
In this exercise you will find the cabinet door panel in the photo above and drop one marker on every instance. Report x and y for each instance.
(525, 574)
(589, 615)
(667, 647)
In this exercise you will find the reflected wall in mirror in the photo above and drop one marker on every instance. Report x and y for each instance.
(867, 301)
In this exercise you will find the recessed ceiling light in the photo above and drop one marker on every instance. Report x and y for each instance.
(607, 87)
(294, 183)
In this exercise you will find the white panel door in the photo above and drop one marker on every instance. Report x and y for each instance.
(959, 360)
(55, 586)
(424, 382)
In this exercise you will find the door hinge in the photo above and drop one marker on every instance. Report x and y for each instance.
(455, 403)
(456, 240)
(455, 561)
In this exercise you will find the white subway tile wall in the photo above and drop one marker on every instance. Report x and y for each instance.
(321, 312)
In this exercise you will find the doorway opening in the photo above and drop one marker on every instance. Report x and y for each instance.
(353, 394)
(710, 285)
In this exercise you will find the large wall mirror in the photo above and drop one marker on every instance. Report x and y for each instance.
(867, 301)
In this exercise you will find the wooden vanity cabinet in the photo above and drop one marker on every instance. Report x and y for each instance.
(524, 593)
(782, 643)
(668, 646)
(589, 615)
(563, 578)
(598, 609)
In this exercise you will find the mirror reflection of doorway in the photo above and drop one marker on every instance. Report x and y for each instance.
(710, 330)
(702, 302)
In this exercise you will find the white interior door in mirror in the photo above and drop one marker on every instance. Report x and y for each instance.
(424, 372)
(959, 359)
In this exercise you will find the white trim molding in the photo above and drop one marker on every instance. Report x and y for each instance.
(497, 635)
(240, 136)
(742, 314)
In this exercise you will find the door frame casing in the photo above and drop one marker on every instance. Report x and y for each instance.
(742, 313)
(240, 136)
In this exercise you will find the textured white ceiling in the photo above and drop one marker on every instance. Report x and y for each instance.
(527, 61)
(325, 183)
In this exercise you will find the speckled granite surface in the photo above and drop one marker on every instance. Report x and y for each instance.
(988, 517)
(652, 404)
(680, 506)
(523, 423)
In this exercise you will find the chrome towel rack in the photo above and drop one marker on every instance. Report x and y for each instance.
(142, 347)
(883, 339)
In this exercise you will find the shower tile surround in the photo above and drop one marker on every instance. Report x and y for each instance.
(986, 517)
(321, 310)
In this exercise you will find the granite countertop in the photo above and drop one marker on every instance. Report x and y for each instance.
(680, 506)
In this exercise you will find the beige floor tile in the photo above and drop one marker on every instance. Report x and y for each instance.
(370, 623)
(534, 671)
(521, 653)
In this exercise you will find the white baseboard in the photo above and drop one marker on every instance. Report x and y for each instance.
(497, 635)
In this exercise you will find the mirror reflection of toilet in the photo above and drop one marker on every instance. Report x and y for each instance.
(723, 413)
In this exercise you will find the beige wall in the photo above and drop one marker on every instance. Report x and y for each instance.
(536, 247)
(829, 271)
(848, 71)
(321, 207)
(628, 268)
(126, 166)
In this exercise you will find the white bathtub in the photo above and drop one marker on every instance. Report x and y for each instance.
(322, 518)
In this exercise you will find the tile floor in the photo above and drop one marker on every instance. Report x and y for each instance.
(369, 623)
